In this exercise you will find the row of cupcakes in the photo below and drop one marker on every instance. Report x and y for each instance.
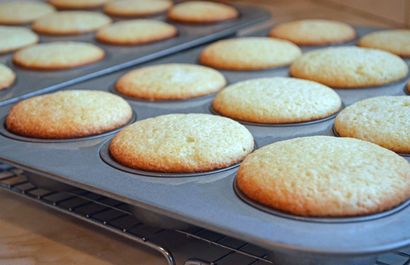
(319, 176)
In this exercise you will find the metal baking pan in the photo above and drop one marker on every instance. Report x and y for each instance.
(210, 201)
(29, 83)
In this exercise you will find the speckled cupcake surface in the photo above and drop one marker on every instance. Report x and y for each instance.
(136, 32)
(70, 23)
(350, 67)
(323, 176)
(277, 100)
(137, 8)
(314, 32)
(382, 120)
(182, 143)
(170, 82)
(250, 53)
(394, 41)
(202, 12)
(77, 4)
(7, 77)
(14, 38)
(23, 12)
(68, 114)
(58, 55)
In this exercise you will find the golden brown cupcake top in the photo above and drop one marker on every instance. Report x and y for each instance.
(23, 12)
(277, 100)
(323, 176)
(170, 82)
(137, 8)
(14, 38)
(68, 114)
(7, 77)
(381, 120)
(250, 53)
(396, 41)
(314, 32)
(58, 55)
(182, 143)
(349, 67)
(202, 12)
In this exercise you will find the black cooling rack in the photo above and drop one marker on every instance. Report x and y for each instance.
(195, 246)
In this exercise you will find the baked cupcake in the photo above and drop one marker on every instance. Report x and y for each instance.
(137, 8)
(68, 114)
(170, 82)
(7, 77)
(381, 120)
(349, 67)
(396, 41)
(14, 38)
(77, 4)
(182, 143)
(23, 12)
(70, 23)
(323, 176)
(250, 53)
(202, 12)
(136, 32)
(58, 55)
(314, 32)
(277, 100)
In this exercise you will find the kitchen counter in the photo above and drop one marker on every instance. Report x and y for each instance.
(31, 234)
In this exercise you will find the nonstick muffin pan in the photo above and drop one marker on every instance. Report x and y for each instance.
(29, 82)
(209, 200)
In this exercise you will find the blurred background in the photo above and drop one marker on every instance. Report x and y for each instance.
(386, 13)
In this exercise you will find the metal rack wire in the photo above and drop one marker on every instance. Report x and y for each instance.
(115, 216)
(195, 246)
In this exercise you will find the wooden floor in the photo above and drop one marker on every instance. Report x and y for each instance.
(30, 234)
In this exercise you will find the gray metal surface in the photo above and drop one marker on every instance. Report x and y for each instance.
(29, 83)
(209, 201)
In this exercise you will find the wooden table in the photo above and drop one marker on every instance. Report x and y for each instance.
(32, 235)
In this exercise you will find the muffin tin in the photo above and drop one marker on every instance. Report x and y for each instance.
(209, 200)
(30, 82)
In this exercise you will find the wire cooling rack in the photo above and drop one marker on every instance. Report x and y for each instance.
(194, 246)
